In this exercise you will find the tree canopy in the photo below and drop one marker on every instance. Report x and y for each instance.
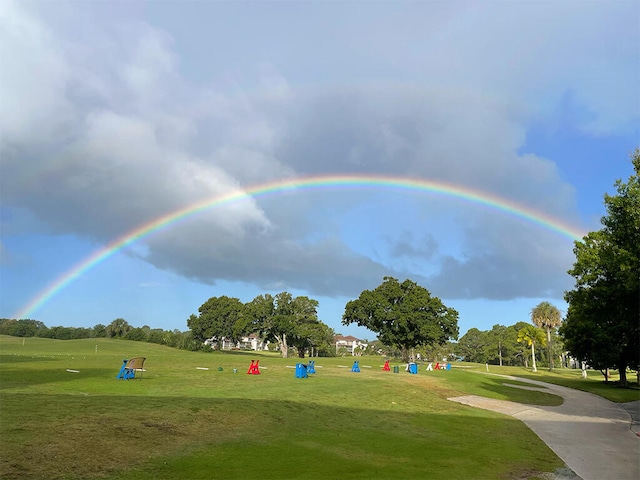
(404, 315)
(498, 346)
(602, 326)
(220, 317)
(290, 322)
(118, 328)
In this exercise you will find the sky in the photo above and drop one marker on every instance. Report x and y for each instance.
(156, 154)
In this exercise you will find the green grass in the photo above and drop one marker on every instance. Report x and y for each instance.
(181, 422)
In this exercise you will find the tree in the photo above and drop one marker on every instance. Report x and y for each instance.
(156, 335)
(172, 338)
(67, 333)
(438, 352)
(323, 345)
(532, 335)
(137, 335)
(220, 318)
(187, 341)
(547, 316)
(404, 315)
(519, 355)
(289, 321)
(99, 331)
(602, 326)
(471, 346)
(308, 332)
(500, 346)
(375, 347)
(22, 328)
(118, 328)
(271, 317)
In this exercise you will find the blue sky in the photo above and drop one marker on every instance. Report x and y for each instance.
(113, 114)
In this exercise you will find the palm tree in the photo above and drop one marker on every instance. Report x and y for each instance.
(532, 335)
(547, 316)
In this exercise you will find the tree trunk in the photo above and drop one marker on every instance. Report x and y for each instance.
(500, 351)
(622, 371)
(301, 353)
(533, 358)
(623, 376)
(405, 354)
(549, 348)
(282, 344)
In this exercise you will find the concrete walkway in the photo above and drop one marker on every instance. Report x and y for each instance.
(595, 437)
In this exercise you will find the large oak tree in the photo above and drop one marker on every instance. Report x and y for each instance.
(404, 315)
(220, 317)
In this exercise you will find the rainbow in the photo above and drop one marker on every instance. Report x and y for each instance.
(479, 197)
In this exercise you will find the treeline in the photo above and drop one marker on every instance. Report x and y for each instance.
(282, 321)
(289, 322)
(119, 328)
(505, 346)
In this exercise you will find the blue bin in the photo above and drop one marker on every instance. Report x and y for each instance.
(301, 370)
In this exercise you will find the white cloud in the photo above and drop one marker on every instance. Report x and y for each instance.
(103, 132)
(34, 74)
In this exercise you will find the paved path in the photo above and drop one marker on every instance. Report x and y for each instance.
(595, 437)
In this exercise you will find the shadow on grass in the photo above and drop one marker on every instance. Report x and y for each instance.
(494, 387)
(16, 379)
(515, 394)
(119, 437)
(610, 390)
(6, 360)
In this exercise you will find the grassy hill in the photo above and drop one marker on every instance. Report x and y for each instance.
(181, 421)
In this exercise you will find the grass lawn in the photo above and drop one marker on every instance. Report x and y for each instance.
(180, 421)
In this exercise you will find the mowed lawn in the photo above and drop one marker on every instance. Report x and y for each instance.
(182, 422)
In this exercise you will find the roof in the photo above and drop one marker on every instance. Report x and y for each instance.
(348, 338)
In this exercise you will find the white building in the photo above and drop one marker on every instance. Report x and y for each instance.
(250, 342)
(349, 343)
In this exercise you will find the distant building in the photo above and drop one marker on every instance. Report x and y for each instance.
(250, 342)
(349, 343)
(253, 342)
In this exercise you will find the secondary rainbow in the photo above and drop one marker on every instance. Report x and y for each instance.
(485, 199)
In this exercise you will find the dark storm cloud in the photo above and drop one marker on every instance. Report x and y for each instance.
(102, 133)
